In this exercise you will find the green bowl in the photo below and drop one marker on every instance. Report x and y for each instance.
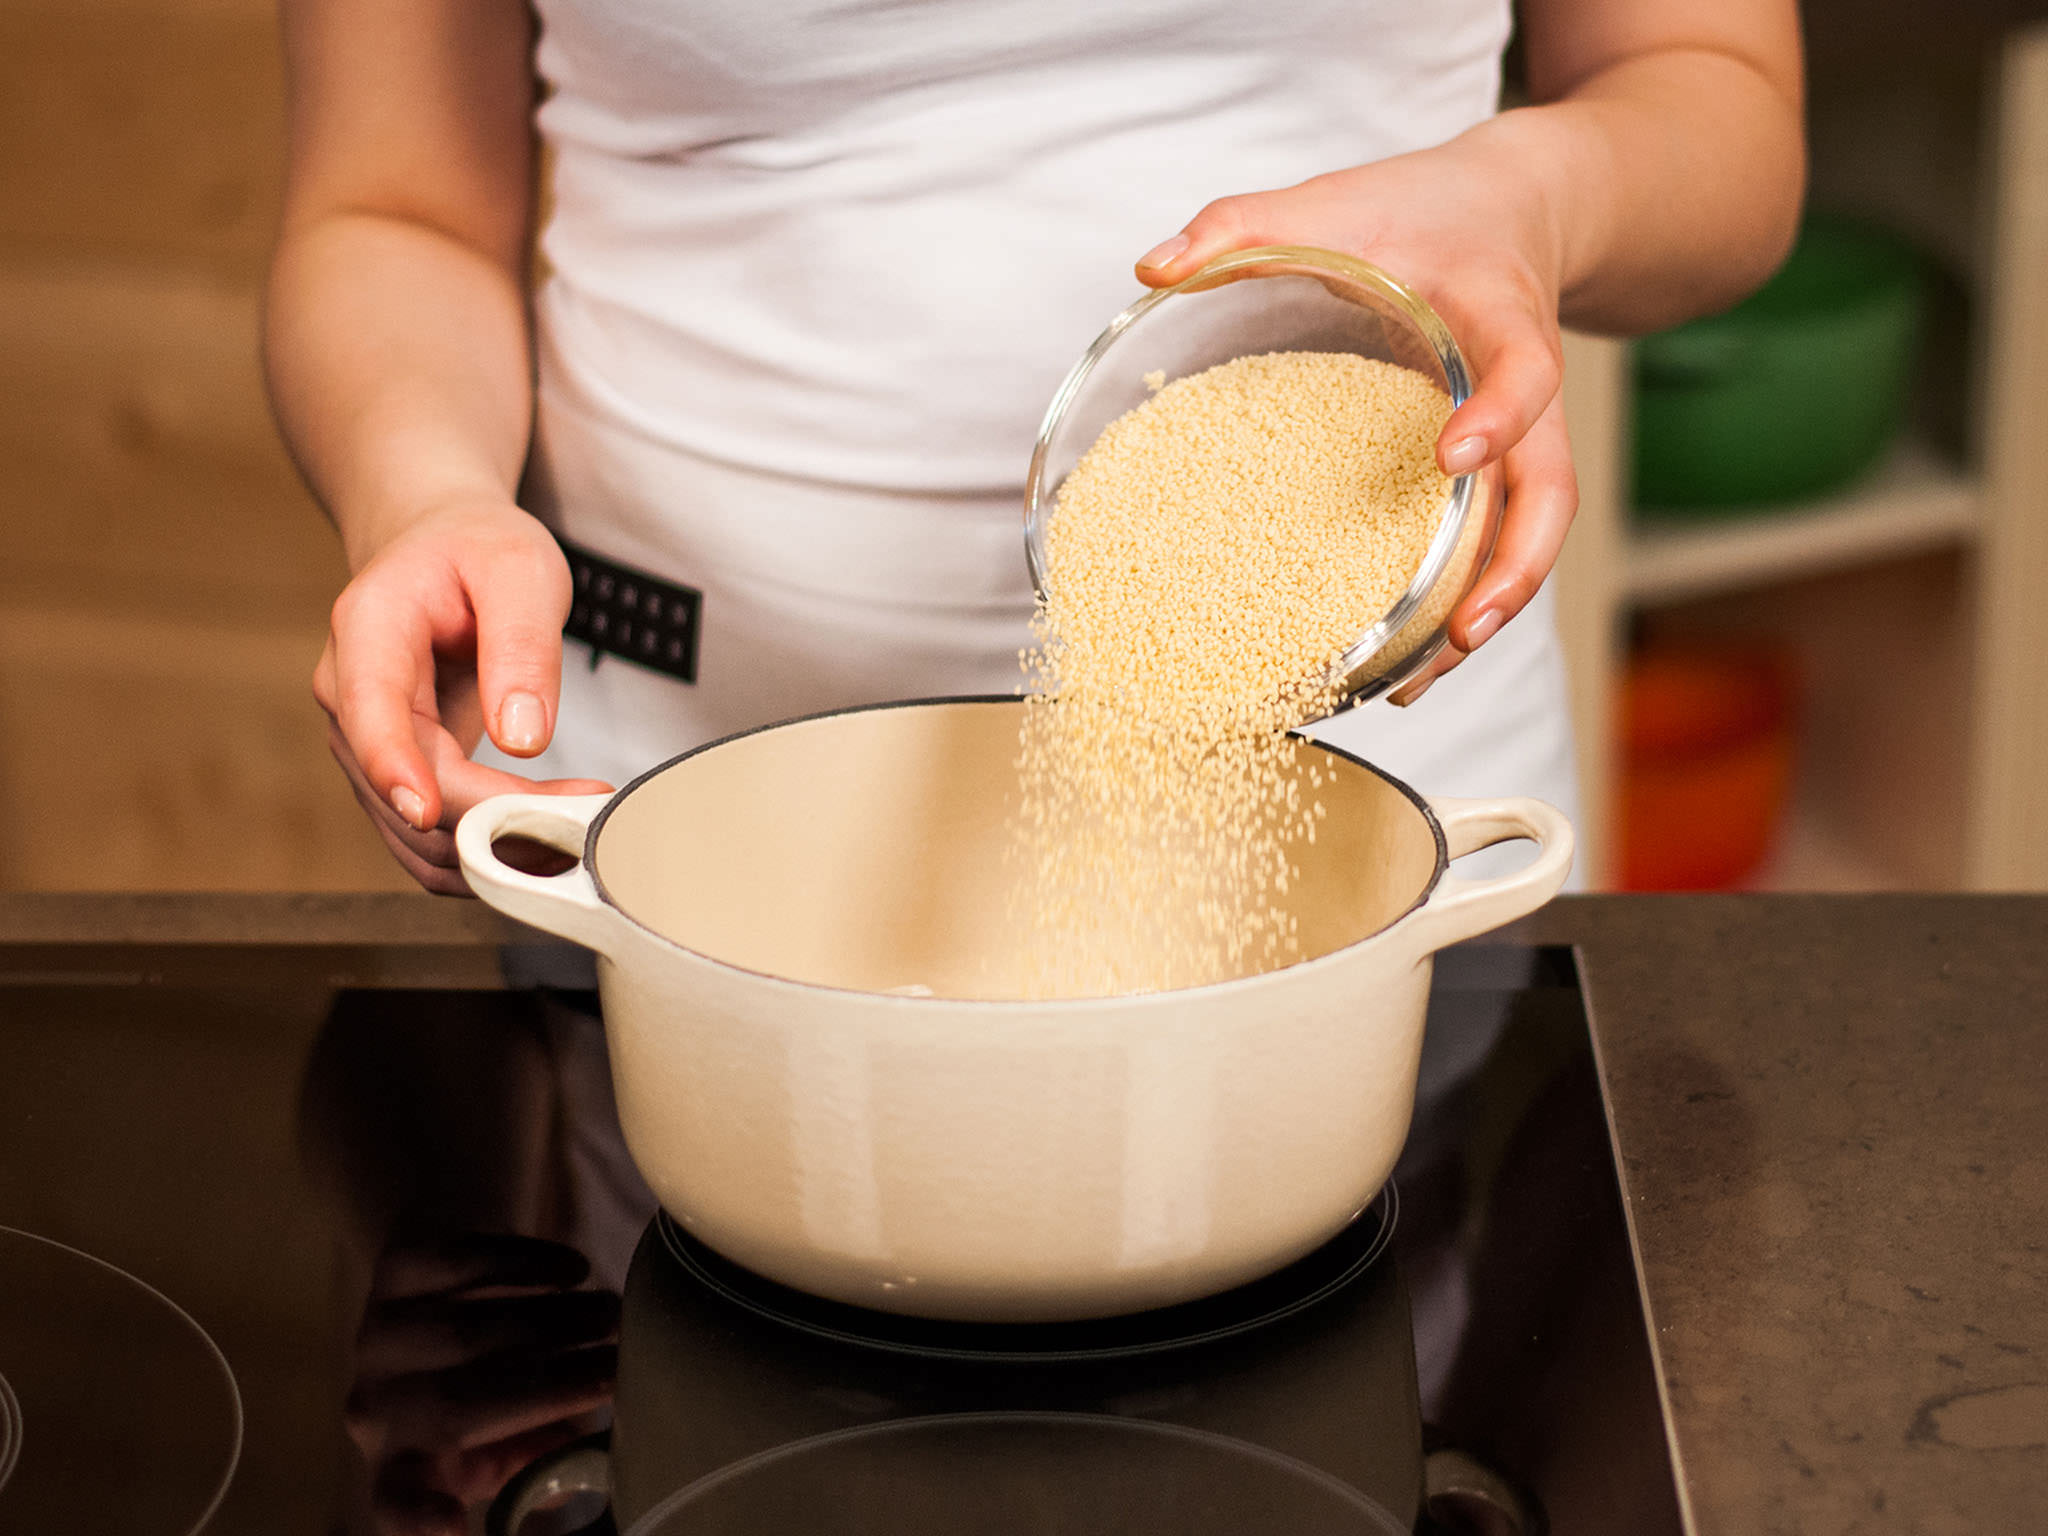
(1791, 394)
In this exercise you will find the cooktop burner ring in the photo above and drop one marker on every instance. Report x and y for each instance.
(10, 1431)
(1214, 1447)
(1353, 1251)
(53, 1376)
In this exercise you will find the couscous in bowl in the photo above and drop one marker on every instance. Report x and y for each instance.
(1280, 299)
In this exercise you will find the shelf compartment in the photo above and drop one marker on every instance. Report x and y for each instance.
(1915, 501)
(1810, 857)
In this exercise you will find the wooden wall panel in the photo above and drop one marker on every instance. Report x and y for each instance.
(164, 577)
(146, 132)
(143, 469)
(150, 754)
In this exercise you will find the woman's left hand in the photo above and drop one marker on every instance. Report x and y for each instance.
(479, 1353)
(1465, 227)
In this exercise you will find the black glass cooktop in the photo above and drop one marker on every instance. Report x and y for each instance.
(280, 1257)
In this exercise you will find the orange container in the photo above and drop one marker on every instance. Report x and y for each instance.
(1706, 765)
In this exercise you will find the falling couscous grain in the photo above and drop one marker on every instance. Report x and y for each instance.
(1207, 560)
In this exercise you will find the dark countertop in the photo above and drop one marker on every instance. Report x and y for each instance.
(1832, 1114)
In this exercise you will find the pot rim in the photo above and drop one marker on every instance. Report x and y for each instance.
(1116, 1000)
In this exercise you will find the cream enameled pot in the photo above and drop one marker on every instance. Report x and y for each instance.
(758, 908)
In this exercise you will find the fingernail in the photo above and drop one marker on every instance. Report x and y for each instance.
(1408, 696)
(521, 723)
(410, 806)
(1164, 252)
(1465, 455)
(1482, 629)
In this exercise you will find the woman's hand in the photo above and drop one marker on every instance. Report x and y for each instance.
(1465, 227)
(453, 629)
(396, 346)
(478, 1355)
(1658, 177)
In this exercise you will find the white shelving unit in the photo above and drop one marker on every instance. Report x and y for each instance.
(1912, 502)
(1935, 767)
(1811, 857)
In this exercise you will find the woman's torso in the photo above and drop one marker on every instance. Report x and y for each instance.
(816, 268)
(860, 242)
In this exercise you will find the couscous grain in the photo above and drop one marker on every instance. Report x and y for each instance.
(1207, 560)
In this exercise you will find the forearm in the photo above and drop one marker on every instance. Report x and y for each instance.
(398, 363)
(1670, 183)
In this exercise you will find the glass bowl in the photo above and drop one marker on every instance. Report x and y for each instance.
(1283, 298)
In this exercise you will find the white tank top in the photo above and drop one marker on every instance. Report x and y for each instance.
(862, 242)
(816, 267)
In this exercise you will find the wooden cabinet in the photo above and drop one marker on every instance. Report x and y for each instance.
(1913, 598)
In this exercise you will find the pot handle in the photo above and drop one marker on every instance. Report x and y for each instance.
(566, 904)
(1460, 909)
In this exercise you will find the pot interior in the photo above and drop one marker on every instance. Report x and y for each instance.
(871, 851)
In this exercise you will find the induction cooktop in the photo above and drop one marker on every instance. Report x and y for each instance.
(405, 1223)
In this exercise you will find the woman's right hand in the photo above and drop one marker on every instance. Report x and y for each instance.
(453, 628)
